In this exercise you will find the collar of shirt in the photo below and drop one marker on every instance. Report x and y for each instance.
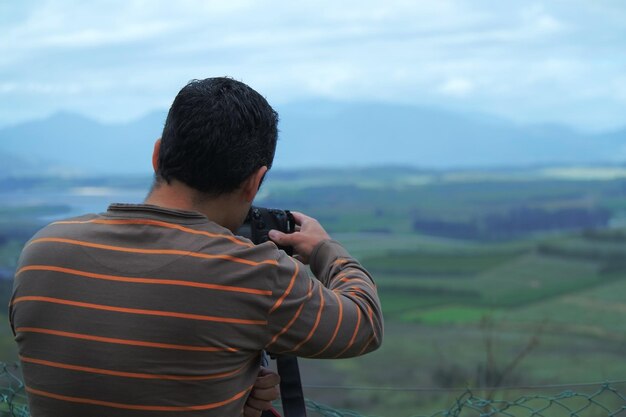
(156, 212)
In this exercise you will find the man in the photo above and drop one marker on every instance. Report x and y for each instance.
(159, 309)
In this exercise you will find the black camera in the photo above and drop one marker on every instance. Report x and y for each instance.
(260, 221)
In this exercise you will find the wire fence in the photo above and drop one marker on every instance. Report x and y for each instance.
(12, 394)
(603, 400)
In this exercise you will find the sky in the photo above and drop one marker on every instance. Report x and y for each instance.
(527, 61)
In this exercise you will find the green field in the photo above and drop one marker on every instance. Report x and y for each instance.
(462, 320)
(458, 314)
(468, 301)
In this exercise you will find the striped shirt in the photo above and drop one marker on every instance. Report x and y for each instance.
(147, 311)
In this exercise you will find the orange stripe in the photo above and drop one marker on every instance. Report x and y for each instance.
(356, 331)
(357, 326)
(340, 261)
(317, 322)
(161, 224)
(353, 290)
(128, 374)
(137, 310)
(295, 317)
(123, 341)
(284, 329)
(289, 288)
(370, 314)
(135, 406)
(144, 280)
(154, 251)
(357, 291)
(339, 320)
(348, 279)
(366, 345)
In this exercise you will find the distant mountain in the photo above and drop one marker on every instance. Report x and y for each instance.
(368, 133)
(320, 134)
(14, 164)
(84, 145)
(30, 165)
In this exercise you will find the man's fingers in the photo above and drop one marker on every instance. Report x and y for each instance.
(258, 404)
(266, 379)
(281, 238)
(276, 236)
(307, 236)
(263, 371)
(265, 394)
(299, 217)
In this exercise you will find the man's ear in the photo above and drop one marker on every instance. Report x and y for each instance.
(253, 183)
(155, 154)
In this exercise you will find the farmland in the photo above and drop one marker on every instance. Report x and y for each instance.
(496, 277)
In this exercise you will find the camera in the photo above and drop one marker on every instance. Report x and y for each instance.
(260, 221)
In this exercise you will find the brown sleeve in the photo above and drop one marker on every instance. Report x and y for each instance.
(336, 315)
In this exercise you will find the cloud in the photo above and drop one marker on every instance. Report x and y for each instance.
(536, 17)
(35, 88)
(518, 59)
(618, 86)
(457, 87)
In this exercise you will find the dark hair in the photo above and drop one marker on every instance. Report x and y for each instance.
(217, 133)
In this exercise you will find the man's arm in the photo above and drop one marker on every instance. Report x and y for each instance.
(336, 315)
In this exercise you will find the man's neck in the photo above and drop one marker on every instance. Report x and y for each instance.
(225, 210)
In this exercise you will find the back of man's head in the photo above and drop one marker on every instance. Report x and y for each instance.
(217, 133)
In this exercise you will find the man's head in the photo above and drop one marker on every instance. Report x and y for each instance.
(217, 133)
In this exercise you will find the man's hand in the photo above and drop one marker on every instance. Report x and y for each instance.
(264, 391)
(306, 237)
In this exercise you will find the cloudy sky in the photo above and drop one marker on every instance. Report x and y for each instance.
(529, 61)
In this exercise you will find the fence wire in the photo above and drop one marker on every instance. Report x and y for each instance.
(605, 401)
(12, 394)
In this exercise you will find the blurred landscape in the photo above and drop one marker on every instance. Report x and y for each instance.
(488, 277)
(472, 154)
